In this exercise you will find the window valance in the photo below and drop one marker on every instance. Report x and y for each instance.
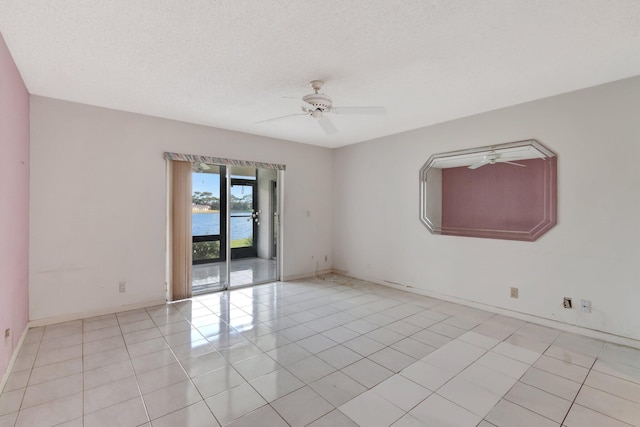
(193, 158)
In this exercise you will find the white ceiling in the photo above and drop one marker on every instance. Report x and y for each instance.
(228, 63)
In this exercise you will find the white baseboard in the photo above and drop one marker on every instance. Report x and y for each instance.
(567, 327)
(12, 361)
(100, 312)
(306, 275)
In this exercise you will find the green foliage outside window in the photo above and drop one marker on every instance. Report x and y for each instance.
(206, 250)
(205, 198)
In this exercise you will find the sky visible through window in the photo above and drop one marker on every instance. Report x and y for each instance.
(206, 182)
(211, 182)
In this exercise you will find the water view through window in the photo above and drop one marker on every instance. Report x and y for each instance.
(205, 217)
(208, 223)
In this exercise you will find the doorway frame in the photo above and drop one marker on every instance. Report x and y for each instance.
(171, 157)
(247, 251)
(280, 243)
(274, 219)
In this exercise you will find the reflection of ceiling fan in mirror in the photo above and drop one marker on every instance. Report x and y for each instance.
(491, 159)
(318, 106)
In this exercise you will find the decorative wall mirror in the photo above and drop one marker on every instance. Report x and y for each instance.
(505, 191)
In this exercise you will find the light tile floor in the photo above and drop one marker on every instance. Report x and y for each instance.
(319, 354)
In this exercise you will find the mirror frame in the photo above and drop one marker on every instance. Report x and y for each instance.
(470, 156)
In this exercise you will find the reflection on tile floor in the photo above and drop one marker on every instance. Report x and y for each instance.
(245, 271)
(317, 353)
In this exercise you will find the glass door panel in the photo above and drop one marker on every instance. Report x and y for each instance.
(208, 227)
(243, 219)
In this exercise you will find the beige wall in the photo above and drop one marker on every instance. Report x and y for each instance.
(98, 199)
(592, 253)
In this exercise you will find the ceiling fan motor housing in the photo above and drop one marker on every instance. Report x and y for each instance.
(319, 101)
(492, 158)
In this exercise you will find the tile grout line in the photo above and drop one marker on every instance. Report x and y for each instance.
(144, 403)
(450, 379)
(575, 397)
(183, 369)
(582, 385)
(435, 391)
(30, 373)
(230, 365)
(521, 376)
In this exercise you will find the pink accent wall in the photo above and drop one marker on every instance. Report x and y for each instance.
(494, 197)
(14, 205)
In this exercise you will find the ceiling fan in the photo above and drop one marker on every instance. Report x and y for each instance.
(317, 105)
(491, 159)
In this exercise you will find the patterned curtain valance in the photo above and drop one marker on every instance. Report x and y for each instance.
(193, 158)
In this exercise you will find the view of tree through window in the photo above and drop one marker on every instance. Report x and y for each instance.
(206, 198)
(241, 203)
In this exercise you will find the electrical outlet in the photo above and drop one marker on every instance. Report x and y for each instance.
(514, 292)
(7, 334)
(567, 302)
(122, 286)
(585, 305)
(325, 258)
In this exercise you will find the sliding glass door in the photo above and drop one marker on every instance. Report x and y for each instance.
(232, 244)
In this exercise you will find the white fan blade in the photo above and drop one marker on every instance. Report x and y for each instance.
(278, 118)
(479, 164)
(327, 125)
(512, 163)
(360, 110)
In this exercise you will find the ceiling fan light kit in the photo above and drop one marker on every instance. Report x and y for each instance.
(317, 105)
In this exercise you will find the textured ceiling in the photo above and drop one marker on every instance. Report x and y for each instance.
(228, 63)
